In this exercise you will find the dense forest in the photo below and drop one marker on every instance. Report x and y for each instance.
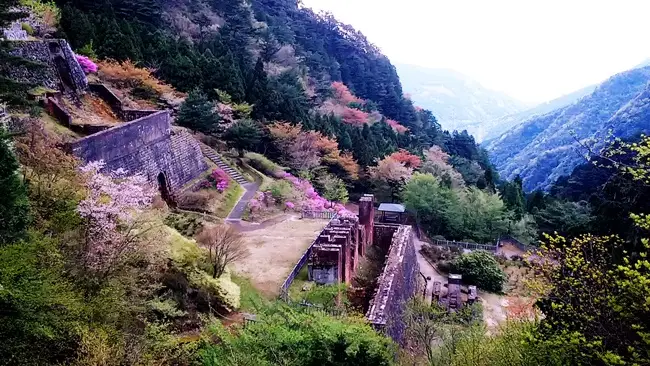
(96, 269)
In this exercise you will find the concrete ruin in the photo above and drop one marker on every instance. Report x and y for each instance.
(169, 158)
(336, 252)
(55, 65)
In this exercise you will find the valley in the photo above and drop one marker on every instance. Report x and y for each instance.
(253, 182)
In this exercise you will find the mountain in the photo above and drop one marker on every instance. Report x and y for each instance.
(458, 101)
(495, 128)
(545, 147)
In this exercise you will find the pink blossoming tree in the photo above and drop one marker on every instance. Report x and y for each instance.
(112, 213)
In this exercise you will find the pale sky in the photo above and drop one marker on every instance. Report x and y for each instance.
(532, 50)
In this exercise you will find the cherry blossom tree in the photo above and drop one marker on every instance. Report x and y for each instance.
(112, 213)
(396, 126)
(409, 160)
(392, 174)
(437, 164)
(342, 94)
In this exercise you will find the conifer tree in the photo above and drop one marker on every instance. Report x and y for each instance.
(243, 135)
(197, 113)
(14, 206)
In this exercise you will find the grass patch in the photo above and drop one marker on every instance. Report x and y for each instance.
(230, 198)
(55, 127)
(302, 279)
(250, 299)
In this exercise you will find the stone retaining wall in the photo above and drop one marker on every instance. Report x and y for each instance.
(149, 146)
(396, 285)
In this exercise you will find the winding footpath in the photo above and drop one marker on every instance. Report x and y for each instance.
(249, 187)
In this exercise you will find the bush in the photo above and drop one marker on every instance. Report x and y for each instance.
(280, 190)
(126, 74)
(480, 268)
(27, 28)
(199, 200)
(263, 164)
(145, 92)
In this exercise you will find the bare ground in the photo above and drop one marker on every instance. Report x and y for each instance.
(275, 249)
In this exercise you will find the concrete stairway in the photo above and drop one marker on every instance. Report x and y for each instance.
(209, 153)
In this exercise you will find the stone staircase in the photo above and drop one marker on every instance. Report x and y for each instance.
(209, 153)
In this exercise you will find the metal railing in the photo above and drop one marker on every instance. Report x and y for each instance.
(284, 289)
(307, 214)
(460, 244)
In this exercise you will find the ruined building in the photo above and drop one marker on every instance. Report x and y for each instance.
(336, 252)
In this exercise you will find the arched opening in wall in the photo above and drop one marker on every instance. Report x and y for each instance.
(164, 188)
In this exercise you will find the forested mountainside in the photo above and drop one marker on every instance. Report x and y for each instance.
(543, 148)
(460, 103)
(495, 128)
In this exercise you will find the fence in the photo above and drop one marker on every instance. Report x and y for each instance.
(460, 244)
(307, 214)
(284, 290)
(521, 246)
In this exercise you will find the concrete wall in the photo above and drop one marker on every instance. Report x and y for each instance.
(147, 145)
(396, 285)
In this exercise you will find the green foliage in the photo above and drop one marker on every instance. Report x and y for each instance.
(455, 213)
(513, 196)
(280, 190)
(243, 135)
(27, 28)
(88, 50)
(480, 268)
(565, 218)
(284, 336)
(263, 164)
(14, 207)
(40, 308)
(332, 188)
(197, 113)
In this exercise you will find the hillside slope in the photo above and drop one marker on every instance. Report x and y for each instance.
(458, 102)
(495, 128)
(544, 147)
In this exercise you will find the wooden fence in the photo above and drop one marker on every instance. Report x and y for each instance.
(284, 289)
(307, 214)
(460, 244)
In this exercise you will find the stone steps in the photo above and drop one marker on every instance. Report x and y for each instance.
(209, 153)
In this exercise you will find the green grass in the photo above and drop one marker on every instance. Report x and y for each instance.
(230, 198)
(295, 290)
(250, 299)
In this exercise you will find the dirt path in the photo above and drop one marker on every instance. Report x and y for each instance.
(274, 248)
(427, 270)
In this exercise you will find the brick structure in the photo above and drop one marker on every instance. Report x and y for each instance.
(168, 157)
(336, 252)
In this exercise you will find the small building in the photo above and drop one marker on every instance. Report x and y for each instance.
(392, 213)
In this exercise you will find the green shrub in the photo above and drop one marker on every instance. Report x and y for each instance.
(27, 28)
(88, 50)
(263, 164)
(280, 190)
(145, 92)
(479, 268)
(217, 292)
(284, 336)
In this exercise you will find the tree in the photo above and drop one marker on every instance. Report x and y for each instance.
(286, 336)
(332, 188)
(434, 205)
(437, 164)
(392, 174)
(112, 211)
(243, 135)
(565, 218)
(513, 196)
(225, 246)
(14, 205)
(480, 268)
(197, 113)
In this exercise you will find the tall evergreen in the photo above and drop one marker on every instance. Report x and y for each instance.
(14, 206)
(197, 113)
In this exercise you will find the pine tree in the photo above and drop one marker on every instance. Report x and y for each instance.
(243, 135)
(197, 113)
(14, 206)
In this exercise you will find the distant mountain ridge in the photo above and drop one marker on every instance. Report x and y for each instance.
(496, 128)
(544, 147)
(457, 101)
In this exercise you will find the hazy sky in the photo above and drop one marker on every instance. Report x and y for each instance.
(532, 50)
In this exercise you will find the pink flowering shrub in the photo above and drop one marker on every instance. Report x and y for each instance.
(290, 205)
(87, 65)
(218, 179)
(111, 212)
